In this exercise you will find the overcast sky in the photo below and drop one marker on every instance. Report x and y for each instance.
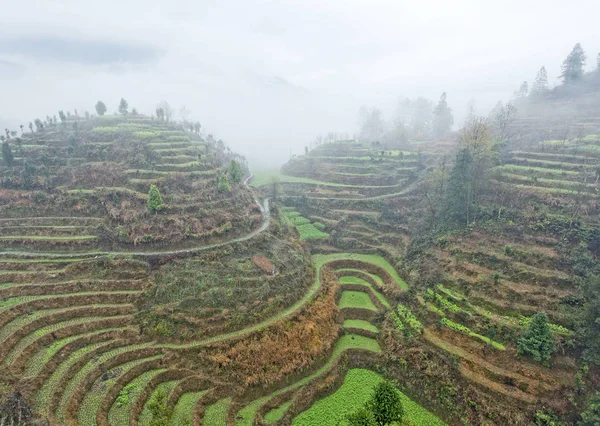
(268, 76)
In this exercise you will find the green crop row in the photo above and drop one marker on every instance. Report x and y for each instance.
(444, 303)
(216, 414)
(183, 413)
(556, 328)
(310, 232)
(119, 412)
(466, 330)
(409, 318)
(397, 321)
(356, 390)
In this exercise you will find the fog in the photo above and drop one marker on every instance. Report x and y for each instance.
(268, 76)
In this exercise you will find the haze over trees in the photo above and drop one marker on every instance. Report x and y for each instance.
(100, 108)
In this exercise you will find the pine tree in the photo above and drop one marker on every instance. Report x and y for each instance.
(155, 202)
(223, 183)
(385, 404)
(235, 172)
(123, 106)
(572, 66)
(537, 340)
(540, 85)
(7, 154)
(523, 91)
(442, 117)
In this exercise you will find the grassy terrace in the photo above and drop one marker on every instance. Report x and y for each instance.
(320, 259)
(356, 391)
(216, 414)
(120, 411)
(86, 412)
(360, 324)
(356, 299)
(183, 413)
(146, 414)
(36, 363)
(42, 332)
(360, 281)
(266, 176)
(72, 385)
(51, 385)
(349, 341)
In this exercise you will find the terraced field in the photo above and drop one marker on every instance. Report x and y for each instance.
(95, 179)
(67, 329)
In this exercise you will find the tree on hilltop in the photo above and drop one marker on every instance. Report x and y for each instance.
(537, 340)
(442, 117)
(572, 66)
(123, 106)
(31, 126)
(155, 202)
(38, 124)
(540, 85)
(100, 108)
(62, 116)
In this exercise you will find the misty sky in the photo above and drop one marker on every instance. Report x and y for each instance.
(267, 76)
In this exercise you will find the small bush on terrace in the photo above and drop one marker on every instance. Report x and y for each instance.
(159, 409)
(155, 202)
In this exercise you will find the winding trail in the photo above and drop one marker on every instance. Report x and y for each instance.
(264, 208)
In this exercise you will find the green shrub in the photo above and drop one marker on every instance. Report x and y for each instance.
(161, 413)
(223, 183)
(361, 417)
(319, 226)
(154, 199)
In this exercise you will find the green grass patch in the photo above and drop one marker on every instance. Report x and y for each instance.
(276, 413)
(356, 390)
(356, 299)
(310, 232)
(361, 324)
(359, 281)
(216, 414)
(183, 413)
(146, 415)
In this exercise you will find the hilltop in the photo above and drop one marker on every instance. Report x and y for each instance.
(84, 183)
